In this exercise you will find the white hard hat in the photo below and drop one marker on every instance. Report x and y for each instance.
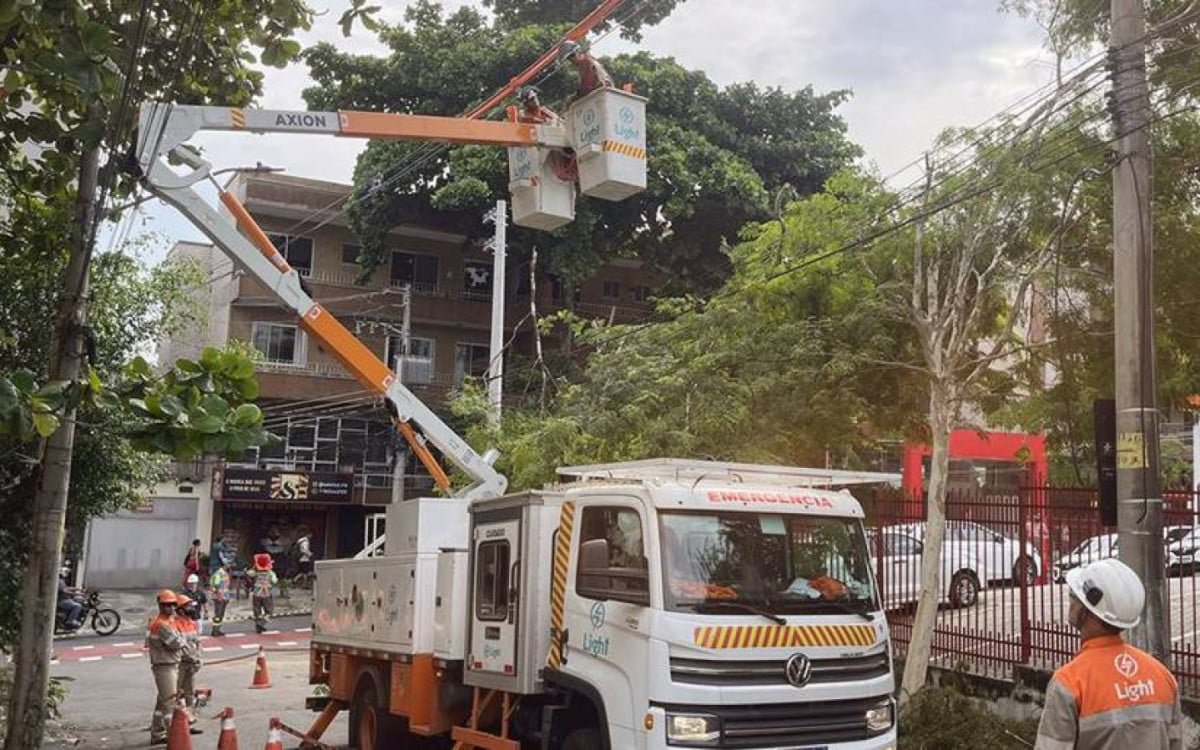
(193, 578)
(1110, 590)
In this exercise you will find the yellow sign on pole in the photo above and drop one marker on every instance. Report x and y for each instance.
(1131, 450)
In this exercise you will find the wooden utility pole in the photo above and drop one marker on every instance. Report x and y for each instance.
(1139, 502)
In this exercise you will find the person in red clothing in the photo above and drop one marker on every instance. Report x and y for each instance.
(533, 111)
(1111, 696)
(592, 74)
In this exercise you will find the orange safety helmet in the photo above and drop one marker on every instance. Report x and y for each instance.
(182, 600)
(167, 596)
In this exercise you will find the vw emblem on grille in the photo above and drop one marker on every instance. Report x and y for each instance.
(798, 670)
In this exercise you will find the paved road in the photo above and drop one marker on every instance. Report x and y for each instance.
(285, 632)
(109, 706)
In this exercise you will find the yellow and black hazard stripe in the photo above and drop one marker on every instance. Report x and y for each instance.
(558, 582)
(783, 636)
(238, 116)
(625, 149)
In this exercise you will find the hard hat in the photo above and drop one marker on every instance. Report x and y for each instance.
(167, 596)
(193, 578)
(182, 601)
(568, 48)
(1110, 590)
(528, 92)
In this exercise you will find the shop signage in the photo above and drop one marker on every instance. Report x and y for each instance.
(286, 486)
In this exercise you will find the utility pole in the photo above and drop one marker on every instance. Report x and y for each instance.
(400, 452)
(495, 374)
(1139, 502)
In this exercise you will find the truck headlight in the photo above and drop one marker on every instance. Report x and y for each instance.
(692, 729)
(880, 716)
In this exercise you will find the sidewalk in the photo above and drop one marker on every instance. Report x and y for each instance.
(137, 607)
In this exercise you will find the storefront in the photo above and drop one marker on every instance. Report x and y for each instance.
(267, 511)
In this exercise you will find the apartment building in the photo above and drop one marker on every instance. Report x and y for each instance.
(338, 457)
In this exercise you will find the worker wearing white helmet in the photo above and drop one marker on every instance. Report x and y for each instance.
(1111, 696)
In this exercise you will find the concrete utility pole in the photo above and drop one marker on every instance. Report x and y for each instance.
(495, 372)
(1139, 502)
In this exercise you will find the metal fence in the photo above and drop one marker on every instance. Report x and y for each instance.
(1003, 598)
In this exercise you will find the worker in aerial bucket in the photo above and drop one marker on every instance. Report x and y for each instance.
(592, 74)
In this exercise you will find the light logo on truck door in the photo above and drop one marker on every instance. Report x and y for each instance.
(594, 643)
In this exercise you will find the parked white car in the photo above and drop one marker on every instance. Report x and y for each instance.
(901, 572)
(1099, 547)
(1183, 551)
(999, 556)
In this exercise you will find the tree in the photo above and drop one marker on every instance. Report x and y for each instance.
(777, 367)
(717, 156)
(73, 74)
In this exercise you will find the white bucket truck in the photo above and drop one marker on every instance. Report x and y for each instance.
(653, 604)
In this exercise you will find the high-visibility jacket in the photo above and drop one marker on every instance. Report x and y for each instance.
(189, 631)
(164, 641)
(1111, 696)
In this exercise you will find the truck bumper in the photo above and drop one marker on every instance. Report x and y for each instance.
(656, 739)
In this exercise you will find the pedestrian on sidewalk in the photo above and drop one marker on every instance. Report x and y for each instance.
(1111, 696)
(165, 645)
(262, 586)
(191, 561)
(218, 584)
(189, 655)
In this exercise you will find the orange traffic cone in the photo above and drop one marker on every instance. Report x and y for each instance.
(228, 738)
(262, 678)
(179, 736)
(274, 737)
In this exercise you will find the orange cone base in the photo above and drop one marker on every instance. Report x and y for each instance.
(179, 736)
(262, 678)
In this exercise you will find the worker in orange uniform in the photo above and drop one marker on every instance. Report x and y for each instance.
(592, 74)
(1111, 696)
(186, 622)
(165, 644)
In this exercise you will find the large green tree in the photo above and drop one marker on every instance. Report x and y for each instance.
(718, 157)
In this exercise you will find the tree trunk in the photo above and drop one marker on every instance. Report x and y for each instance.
(27, 708)
(916, 661)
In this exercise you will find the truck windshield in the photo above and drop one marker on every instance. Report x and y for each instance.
(783, 564)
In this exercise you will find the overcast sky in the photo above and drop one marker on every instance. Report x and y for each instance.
(914, 67)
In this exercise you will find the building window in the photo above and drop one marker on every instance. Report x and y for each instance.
(350, 254)
(470, 360)
(491, 581)
(419, 367)
(612, 556)
(279, 342)
(477, 280)
(612, 290)
(641, 293)
(297, 250)
(419, 271)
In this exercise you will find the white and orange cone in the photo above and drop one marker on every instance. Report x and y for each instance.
(274, 736)
(262, 678)
(228, 738)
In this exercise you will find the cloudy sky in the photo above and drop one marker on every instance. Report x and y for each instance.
(914, 67)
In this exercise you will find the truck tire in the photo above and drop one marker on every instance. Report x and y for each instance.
(584, 738)
(964, 589)
(371, 726)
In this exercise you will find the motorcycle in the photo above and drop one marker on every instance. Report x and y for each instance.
(104, 620)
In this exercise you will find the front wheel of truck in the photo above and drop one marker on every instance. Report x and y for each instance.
(584, 738)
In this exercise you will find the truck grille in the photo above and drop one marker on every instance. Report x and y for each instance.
(710, 672)
(789, 724)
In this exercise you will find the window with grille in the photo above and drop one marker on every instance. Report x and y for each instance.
(297, 250)
(477, 280)
(280, 343)
(418, 271)
(612, 290)
(470, 360)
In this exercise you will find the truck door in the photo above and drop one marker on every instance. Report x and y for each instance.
(494, 631)
(608, 610)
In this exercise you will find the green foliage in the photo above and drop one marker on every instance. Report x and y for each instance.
(65, 64)
(942, 718)
(716, 155)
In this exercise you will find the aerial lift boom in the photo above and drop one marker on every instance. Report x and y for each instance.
(163, 133)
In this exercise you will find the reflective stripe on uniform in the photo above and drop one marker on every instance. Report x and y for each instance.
(1157, 712)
